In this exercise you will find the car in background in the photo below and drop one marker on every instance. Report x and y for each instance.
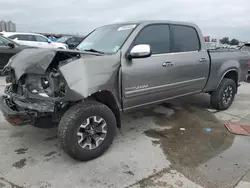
(213, 46)
(71, 41)
(8, 48)
(34, 40)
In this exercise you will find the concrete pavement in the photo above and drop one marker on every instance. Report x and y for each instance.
(164, 146)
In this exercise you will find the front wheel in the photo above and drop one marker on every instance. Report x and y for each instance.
(222, 98)
(87, 130)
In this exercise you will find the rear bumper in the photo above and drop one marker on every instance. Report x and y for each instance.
(14, 117)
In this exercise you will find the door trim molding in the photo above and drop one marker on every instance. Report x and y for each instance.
(161, 87)
(159, 101)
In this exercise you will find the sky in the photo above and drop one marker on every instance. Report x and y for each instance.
(216, 18)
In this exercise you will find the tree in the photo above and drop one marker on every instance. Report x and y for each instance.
(234, 42)
(225, 40)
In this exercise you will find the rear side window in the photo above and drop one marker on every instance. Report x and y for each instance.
(185, 39)
(157, 36)
(26, 37)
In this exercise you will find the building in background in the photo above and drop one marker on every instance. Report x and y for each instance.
(10, 26)
(2, 26)
(7, 26)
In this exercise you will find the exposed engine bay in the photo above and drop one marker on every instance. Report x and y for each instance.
(39, 93)
(51, 84)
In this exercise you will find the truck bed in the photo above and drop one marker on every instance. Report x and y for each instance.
(226, 59)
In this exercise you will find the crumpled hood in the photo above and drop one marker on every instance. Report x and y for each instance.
(30, 61)
(36, 60)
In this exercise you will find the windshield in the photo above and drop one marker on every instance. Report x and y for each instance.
(107, 39)
(63, 39)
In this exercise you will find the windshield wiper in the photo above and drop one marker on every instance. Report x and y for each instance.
(93, 50)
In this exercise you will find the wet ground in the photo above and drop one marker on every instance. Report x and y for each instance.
(182, 144)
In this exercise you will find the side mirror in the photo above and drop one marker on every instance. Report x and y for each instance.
(49, 41)
(140, 51)
(11, 45)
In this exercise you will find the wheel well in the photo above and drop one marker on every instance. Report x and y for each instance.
(232, 75)
(107, 98)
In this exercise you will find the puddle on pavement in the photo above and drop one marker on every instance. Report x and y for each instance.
(188, 149)
(20, 164)
(194, 145)
(21, 151)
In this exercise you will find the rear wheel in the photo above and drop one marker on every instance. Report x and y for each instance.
(223, 97)
(87, 130)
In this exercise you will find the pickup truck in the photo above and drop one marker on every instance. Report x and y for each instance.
(116, 68)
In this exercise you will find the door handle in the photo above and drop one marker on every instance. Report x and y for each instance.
(203, 59)
(167, 64)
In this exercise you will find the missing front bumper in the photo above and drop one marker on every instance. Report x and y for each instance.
(12, 116)
(18, 112)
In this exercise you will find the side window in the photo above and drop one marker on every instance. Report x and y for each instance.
(13, 37)
(3, 42)
(184, 39)
(27, 37)
(41, 39)
(157, 36)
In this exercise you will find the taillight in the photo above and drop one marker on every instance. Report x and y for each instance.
(249, 63)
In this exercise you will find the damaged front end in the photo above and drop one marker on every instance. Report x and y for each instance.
(44, 83)
(35, 90)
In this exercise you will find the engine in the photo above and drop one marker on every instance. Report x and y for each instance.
(51, 84)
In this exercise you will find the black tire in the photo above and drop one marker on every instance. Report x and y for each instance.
(217, 95)
(70, 124)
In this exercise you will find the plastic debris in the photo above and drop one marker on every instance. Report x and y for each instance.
(182, 129)
(208, 129)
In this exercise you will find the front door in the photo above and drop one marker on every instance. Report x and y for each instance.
(144, 80)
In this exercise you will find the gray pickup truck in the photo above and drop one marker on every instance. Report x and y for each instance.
(116, 68)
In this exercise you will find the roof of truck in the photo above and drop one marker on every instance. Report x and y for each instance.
(146, 22)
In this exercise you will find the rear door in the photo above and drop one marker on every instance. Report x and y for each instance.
(190, 63)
